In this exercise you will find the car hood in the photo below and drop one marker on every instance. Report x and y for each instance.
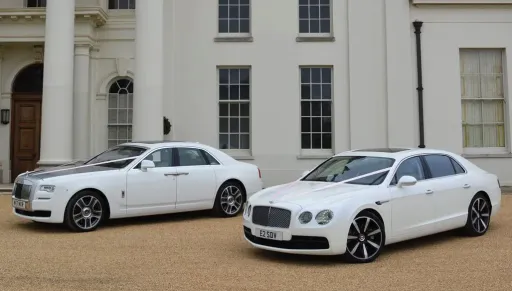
(66, 170)
(306, 193)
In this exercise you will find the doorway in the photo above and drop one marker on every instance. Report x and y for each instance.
(26, 101)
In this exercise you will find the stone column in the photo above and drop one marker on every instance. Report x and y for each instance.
(81, 104)
(148, 83)
(57, 108)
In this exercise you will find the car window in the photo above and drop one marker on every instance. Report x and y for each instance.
(410, 167)
(162, 158)
(191, 157)
(211, 159)
(458, 168)
(440, 165)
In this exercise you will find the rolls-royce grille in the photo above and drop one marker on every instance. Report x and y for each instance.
(21, 191)
(271, 216)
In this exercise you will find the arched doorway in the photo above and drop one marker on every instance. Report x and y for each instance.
(26, 101)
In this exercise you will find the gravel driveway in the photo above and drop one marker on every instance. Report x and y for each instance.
(197, 252)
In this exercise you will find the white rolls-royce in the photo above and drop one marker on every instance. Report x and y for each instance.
(136, 179)
(356, 202)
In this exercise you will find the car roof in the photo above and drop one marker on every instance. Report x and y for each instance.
(395, 153)
(159, 143)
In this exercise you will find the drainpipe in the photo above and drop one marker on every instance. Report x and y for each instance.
(417, 31)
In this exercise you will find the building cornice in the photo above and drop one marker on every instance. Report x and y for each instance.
(95, 15)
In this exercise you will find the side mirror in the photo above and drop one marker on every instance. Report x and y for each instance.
(146, 164)
(406, 181)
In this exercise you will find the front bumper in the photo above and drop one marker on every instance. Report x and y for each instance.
(40, 206)
(313, 240)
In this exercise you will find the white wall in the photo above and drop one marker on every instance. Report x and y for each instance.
(445, 31)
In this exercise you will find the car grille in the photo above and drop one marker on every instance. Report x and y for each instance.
(271, 216)
(21, 191)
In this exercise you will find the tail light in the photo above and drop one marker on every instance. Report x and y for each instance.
(499, 183)
(259, 172)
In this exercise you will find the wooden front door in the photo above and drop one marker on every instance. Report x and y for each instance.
(26, 134)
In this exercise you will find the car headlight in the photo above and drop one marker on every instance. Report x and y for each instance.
(47, 188)
(305, 217)
(324, 217)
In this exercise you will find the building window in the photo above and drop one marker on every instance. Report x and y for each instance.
(315, 17)
(120, 112)
(121, 4)
(483, 100)
(234, 108)
(234, 16)
(315, 105)
(35, 3)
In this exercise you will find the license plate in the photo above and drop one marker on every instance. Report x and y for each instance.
(269, 234)
(20, 204)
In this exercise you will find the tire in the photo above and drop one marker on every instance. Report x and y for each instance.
(479, 216)
(230, 200)
(366, 238)
(85, 211)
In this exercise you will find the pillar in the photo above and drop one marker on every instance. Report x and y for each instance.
(148, 83)
(57, 107)
(81, 117)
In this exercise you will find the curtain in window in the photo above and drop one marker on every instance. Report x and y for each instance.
(483, 119)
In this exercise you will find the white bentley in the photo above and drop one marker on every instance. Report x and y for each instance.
(136, 179)
(356, 202)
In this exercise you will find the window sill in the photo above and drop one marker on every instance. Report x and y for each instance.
(243, 158)
(233, 39)
(313, 157)
(315, 38)
(488, 156)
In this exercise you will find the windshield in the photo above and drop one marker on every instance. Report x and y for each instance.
(341, 168)
(116, 153)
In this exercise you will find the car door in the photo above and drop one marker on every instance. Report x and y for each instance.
(412, 206)
(152, 191)
(452, 190)
(196, 182)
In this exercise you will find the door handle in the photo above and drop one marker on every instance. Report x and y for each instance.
(181, 173)
(466, 186)
(170, 174)
(428, 192)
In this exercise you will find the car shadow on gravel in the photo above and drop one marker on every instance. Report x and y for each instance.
(389, 251)
(197, 216)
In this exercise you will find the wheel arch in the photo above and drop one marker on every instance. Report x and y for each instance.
(237, 181)
(373, 211)
(97, 191)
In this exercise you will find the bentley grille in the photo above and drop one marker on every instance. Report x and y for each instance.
(21, 191)
(271, 216)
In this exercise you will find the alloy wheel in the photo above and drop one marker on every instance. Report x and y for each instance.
(480, 215)
(365, 238)
(87, 212)
(231, 200)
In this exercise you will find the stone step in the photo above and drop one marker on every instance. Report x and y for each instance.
(5, 188)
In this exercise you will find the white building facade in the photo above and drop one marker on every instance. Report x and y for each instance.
(281, 84)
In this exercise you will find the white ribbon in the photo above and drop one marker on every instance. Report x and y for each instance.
(83, 166)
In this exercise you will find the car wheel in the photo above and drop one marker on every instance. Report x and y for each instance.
(479, 216)
(229, 200)
(85, 211)
(366, 237)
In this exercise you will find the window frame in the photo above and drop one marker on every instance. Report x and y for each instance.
(40, 6)
(506, 111)
(122, 9)
(316, 152)
(319, 34)
(235, 152)
(426, 168)
(234, 34)
(117, 125)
